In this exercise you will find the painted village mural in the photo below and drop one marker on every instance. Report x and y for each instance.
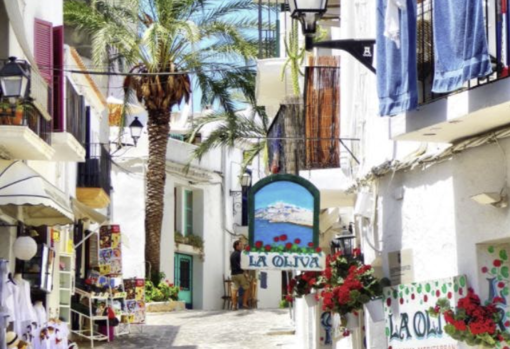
(284, 216)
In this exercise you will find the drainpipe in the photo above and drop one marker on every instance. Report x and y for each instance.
(224, 211)
(3, 312)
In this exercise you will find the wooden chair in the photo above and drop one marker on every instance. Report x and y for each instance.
(227, 293)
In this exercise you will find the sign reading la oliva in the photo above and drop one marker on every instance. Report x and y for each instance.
(408, 324)
(283, 225)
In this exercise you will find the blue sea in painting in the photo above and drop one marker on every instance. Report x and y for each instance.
(265, 231)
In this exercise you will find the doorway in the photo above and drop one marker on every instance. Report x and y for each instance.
(183, 278)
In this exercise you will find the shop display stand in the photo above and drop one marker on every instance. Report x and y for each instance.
(124, 327)
(90, 333)
(66, 285)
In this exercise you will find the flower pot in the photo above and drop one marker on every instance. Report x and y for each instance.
(352, 321)
(376, 310)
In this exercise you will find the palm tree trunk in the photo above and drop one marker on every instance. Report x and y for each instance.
(158, 127)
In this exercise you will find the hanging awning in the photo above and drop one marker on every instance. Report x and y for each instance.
(26, 196)
(86, 213)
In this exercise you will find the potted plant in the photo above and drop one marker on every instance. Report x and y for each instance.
(473, 323)
(348, 285)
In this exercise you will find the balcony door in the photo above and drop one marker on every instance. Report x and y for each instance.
(183, 275)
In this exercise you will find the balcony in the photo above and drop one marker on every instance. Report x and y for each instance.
(25, 132)
(93, 184)
(480, 106)
(180, 152)
(68, 142)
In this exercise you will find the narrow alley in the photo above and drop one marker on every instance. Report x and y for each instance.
(195, 329)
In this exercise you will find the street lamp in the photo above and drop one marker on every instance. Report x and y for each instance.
(135, 128)
(245, 181)
(343, 243)
(308, 12)
(14, 80)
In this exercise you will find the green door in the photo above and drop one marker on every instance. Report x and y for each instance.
(184, 278)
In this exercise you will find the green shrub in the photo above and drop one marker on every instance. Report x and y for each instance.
(196, 241)
(284, 304)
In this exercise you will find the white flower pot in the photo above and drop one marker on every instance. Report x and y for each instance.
(352, 321)
(376, 310)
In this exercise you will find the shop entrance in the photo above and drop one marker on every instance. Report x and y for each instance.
(183, 278)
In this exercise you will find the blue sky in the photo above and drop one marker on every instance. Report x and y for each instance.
(283, 191)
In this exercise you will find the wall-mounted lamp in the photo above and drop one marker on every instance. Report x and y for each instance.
(135, 128)
(308, 12)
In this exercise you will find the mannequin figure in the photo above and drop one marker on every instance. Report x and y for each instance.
(40, 312)
(26, 313)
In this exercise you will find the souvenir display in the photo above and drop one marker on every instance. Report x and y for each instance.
(110, 253)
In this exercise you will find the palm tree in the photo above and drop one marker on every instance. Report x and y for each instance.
(169, 46)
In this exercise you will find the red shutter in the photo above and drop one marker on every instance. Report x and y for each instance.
(43, 48)
(58, 81)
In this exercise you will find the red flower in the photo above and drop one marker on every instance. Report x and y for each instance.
(268, 248)
(318, 250)
(498, 300)
(258, 244)
(484, 270)
(497, 263)
(276, 239)
(289, 298)
(283, 237)
(507, 324)
(356, 252)
(247, 248)
(310, 244)
(297, 241)
(501, 284)
(288, 245)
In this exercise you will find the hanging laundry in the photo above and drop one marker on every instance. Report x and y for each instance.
(460, 44)
(392, 20)
(396, 67)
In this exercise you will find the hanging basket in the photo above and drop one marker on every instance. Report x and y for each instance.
(376, 310)
(352, 321)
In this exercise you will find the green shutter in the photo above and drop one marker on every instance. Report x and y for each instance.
(188, 212)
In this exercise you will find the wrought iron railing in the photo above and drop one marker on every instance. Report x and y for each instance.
(95, 171)
(497, 42)
(76, 115)
(269, 29)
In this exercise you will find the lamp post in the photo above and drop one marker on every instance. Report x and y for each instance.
(135, 128)
(308, 12)
(237, 205)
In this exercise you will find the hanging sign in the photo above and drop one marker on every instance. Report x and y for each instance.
(408, 324)
(283, 225)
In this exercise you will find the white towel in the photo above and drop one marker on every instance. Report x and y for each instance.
(392, 20)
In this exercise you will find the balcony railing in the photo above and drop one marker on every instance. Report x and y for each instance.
(269, 29)
(76, 115)
(95, 171)
(425, 49)
(26, 116)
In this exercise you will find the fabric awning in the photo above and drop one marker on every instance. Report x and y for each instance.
(86, 213)
(26, 196)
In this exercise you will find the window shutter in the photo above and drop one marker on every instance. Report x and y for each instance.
(58, 82)
(43, 48)
(188, 212)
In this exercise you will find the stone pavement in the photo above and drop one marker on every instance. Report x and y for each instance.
(196, 329)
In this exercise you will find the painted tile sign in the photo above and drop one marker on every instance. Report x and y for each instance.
(283, 225)
(408, 325)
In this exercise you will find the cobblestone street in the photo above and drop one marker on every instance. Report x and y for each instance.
(193, 329)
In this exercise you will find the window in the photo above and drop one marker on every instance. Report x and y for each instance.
(177, 136)
(188, 212)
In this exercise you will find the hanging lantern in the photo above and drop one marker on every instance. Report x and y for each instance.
(25, 248)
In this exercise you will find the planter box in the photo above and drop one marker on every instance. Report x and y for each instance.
(160, 307)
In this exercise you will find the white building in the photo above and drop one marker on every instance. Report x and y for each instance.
(205, 202)
(42, 145)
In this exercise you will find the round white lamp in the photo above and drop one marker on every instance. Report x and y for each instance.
(25, 248)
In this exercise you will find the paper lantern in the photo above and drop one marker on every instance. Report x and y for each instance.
(25, 248)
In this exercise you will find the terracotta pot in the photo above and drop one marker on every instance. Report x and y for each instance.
(18, 117)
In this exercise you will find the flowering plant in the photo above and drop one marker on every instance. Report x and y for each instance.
(302, 284)
(348, 284)
(471, 322)
(283, 244)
